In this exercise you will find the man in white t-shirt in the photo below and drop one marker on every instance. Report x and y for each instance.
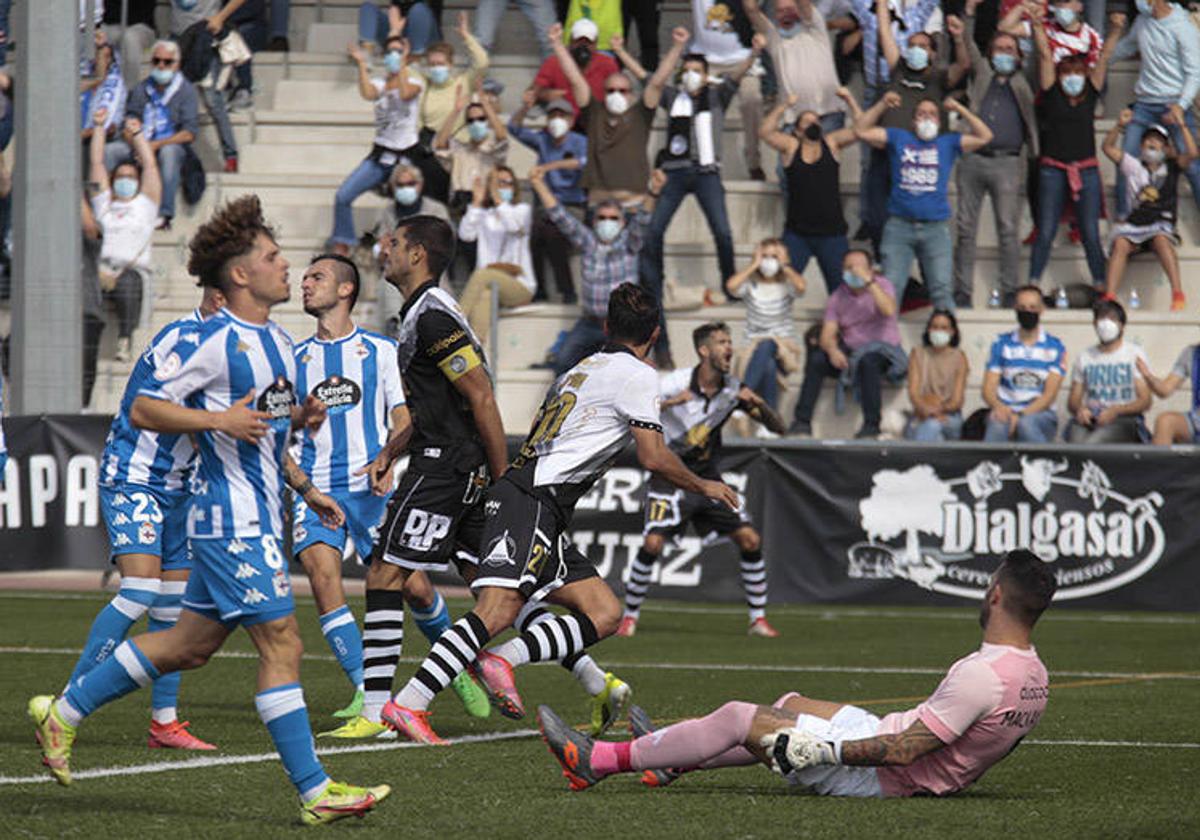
(801, 50)
(1108, 392)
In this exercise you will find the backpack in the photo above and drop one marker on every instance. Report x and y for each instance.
(192, 177)
(196, 49)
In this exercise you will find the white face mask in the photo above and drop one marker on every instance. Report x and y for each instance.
(1107, 330)
(768, 266)
(939, 338)
(616, 103)
(927, 130)
(558, 127)
(692, 81)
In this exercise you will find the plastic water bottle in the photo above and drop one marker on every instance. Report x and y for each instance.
(1061, 301)
(994, 299)
(1135, 300)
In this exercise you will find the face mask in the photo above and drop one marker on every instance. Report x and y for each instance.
(1072, 85)
(1108, 330)
(125, 187)
(939, 338)
(1144, 6)
(1004, 64)
(391, 61)
(813, 131)
(769, 266)
(558, 127)
(406, 195)
(692, 81)
(162, 76)
(505, 193)
(917, 58)
(1153, 156)
(1028, 320)
(582, 55)
(852, 280)
(616, 103)
(477, 130)
(607, 229)
(186, 5)
(789, 31)
(1064, 16)
(439, 74)
(927, 130)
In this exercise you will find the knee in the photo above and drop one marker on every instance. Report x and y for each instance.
(606, 616)
(381, 575)
(653, 545)
(418, 592)
(747, 539)
(170, 157)
(498, 608)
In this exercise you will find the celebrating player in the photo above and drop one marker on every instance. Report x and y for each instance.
(236, 516)
(988, 701)
(354, 373)
(589, 416)
(696, 404)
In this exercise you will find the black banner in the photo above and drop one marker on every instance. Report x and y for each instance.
(892, 523)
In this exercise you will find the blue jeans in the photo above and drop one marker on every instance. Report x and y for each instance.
(1052, 197)
(761, 372)
(584, 339)
(1146, 114)
(419, 27)
(829, 251)
(366, 176)
(929, 243)
(280, 14)
(540, 14)
(170, 165)
(214, 101)
(1031, 428)
(932, 430)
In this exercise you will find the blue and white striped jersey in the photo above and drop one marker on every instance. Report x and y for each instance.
(237, 490)
(137, 456)
(358, 379)
(1023, 368)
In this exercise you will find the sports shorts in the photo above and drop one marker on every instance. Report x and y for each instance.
(430, 517)
(849, 724)
(364, 514)
(524, 548)
(141, 520)
(669, 510)
(239, 580)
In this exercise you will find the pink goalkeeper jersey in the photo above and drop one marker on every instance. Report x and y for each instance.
(988, 702)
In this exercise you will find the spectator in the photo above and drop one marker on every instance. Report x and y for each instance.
(1108, 392)
(1151, 184)
(768, 286)
(802, 56)
(561, 155)
(104, 88)
(500, 227)
(618, 129)
(859, 344)
(125, 213)
(606, 14)
(132, 41)
(1002, 97)
(1070, 93)
(486, 147)
(539, 13)
(1169, 46)
(1177, 426)
(811, 163)
(396, 113)
(722, 34)
(278, 25)
(1065, 29)
(918, 206)
(1024, 372)
(165, 104)
(248, 17)
(93, 303)
(646, 16)
(407, 191)
(551, 83)
(608, 257)
(937, 381)
(212, 92)
(401, 18)
(691, 159)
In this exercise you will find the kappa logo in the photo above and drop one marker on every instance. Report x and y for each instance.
(237, 547)
(244, 571)
(120, 500)
(146, 533)
(500, 551)
(120, 519)
(253, 596)
(123, 539)
(1095, 537)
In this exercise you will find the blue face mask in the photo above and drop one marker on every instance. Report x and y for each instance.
(477, 130)
(406, 195)
(391, 61)
(789, 31)
(1072, 85)
(1064, 16)
(1004, 64)
(439, 74)
(917, 58)
(506, 194)
(162, 76)
(607, 229)
(852, 280)
(125, 188)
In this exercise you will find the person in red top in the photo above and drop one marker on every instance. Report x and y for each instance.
(551, 82)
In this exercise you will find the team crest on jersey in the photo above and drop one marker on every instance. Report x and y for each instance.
(278, 399)
(168, 368)
(338, 393)
(245, 570)
(253, 596)
(146, 533)
(281, 584)
(237, 547)
(299, 533)
(123, 539)
(501, 551)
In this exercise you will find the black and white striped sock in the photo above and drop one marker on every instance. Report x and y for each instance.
(450, 655)
(641, 570)
(582, 667)
(754, 583)
(383, 638)
(557, 638)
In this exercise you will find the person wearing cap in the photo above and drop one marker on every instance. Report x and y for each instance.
(551, 82)
(561, 156)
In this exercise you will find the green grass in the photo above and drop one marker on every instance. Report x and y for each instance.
(513, 789)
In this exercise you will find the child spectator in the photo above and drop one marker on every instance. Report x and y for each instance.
(1108, 392)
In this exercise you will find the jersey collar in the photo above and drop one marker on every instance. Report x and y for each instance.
(416, 295)
(613, 347)
(694, 383)
(353, 332)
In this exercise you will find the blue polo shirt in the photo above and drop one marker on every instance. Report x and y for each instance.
(921, 174)
(564, 183)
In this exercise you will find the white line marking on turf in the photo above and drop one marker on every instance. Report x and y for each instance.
(1079, 742)
(697, 666)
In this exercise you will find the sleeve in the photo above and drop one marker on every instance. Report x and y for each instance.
(1059, 359)
(995, 361)
(189, 113)
(581, 149)
(894, 136)
(1127, 47)
(379, 84)
(389, 370)
(136, 103)
(545, 77)
(479, 56)
(515, 218)
(1129, 164)
(100, 204)
(1139, 352)
(525, 136)
(831, 307)
(444, 341)
(635, 235)
(468, 226)
(192, 363)
(1189, 55)
(673, 382)
(969, 692)
(639, 401)
(1183, 364)
(1077, 374)
(572, 228)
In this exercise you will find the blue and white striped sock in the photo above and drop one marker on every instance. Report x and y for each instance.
(113, 622)
(435, 621)
(282, 709)
(124, 672)
(164, 613)
(346, 642)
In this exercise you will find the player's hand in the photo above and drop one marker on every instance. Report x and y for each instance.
(242, 422)
(379, 473)
(721, 492)
(312, 414)
(463, 27)
(838, 359)
(1084, 416)
(326, 508)
(749, 397)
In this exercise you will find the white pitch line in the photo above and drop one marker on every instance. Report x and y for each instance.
(1079, 742)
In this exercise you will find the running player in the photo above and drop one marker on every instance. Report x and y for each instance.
(354, 373)
(589, 415)
(236, 517)
(696, 404)
(988, 701)
(144, 498)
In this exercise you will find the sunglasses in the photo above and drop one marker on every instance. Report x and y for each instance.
(162, 62)
(478, 120)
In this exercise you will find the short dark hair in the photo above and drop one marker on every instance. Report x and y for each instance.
(347, 272)
(693, 56)
(443, 47)
(945, 313)
(434, 235)
(1027, 289)
(129, 161)
(933, 44)
(866, 255)
(1000, 33)
(633, 313)
(1027, 585)
(230, 233)
(394, 39)
(702, 332)
(1108, 307)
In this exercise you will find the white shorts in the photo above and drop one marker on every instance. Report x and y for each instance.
(849, 724)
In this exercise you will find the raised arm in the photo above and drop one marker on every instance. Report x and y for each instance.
(957, 71)
(980, 134)
(626, 60)
(151, 179)
(866, 128)
(480, 60)
(1116, 25)
(97, 172)
(843, 137)
(365, 88)
(652, 95)
(461, 99)
(499, 131)
(1112, 140)
(402, 82)
(757, 44)
(770, 133)
(1046, 74)
(579, 86)
(740, 278)
(758, 19)
(887, 39)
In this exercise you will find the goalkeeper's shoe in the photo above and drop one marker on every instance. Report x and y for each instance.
(174, 736)
(572, 749)
(354, 709)
(610, 704)
(359, 727)
(496, 677)
(338, 801)
(640, 725)
(55, 735)
(413, 724)
(473, 698)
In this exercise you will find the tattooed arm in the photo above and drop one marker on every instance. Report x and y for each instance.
(324, 506)
(902, 748)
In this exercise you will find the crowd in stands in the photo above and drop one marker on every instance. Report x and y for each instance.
(1001, 97)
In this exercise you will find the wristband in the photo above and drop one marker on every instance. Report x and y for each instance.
(303, 489)
(836, 746)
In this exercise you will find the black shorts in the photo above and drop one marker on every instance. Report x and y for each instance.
(669, 510)
(431, 516)
(523, 546)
